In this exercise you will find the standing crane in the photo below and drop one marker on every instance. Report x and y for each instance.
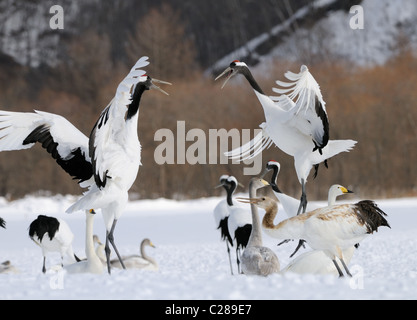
(106, 163)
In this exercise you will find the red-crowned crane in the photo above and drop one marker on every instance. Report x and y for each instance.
(115, 152)
(239, 223)
(221, 216)
(107, 162)
(299, 128)
(52, 235)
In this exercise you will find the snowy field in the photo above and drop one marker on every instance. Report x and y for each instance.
(193, 262)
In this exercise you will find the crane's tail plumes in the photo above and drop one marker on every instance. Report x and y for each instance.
(252, 148)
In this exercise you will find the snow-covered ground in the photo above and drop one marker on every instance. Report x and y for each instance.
(193, 261)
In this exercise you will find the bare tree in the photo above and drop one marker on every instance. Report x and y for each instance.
(161, 35)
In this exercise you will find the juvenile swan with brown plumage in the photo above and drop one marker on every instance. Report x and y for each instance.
(332, 229)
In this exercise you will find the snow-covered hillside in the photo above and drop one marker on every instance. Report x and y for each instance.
(193, 262)
(388, 26)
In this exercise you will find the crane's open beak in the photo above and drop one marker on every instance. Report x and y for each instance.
(230, 72)
(154, 86)
(249, 200)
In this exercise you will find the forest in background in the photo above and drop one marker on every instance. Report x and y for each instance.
(373, 105)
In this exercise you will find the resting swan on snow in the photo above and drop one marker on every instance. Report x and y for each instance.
(142, 261)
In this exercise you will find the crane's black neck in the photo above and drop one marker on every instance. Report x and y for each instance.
(137, 95)
(230, 192)
(248, 75)
(274, 179)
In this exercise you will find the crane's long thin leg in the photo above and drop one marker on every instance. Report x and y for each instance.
(338, 268)
(303, 206)
(238, 260)
(300, 244)
(108, 252)
(43, 267)
(230, 258)
(303, 200)
(346, 268)
(284, 242)
(111, 240)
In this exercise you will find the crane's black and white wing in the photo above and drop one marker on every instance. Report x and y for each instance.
(303, 101)
(109, 131)
(62, 140)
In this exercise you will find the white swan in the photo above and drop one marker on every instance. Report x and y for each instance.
(93, 264)
(142, 261)
(332, 230)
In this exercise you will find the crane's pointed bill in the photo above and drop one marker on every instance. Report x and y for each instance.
(229, 72)
(154, 86)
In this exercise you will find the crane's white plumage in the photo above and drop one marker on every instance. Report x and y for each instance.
(115, 152)
(67, 145)
(221, 215)
(299, 128)
(107, 162)
(304, 104)
(239, 222)
(52, 235)
(220, 211)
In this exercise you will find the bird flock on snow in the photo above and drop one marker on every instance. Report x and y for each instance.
(106, 163)
(297, 123)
